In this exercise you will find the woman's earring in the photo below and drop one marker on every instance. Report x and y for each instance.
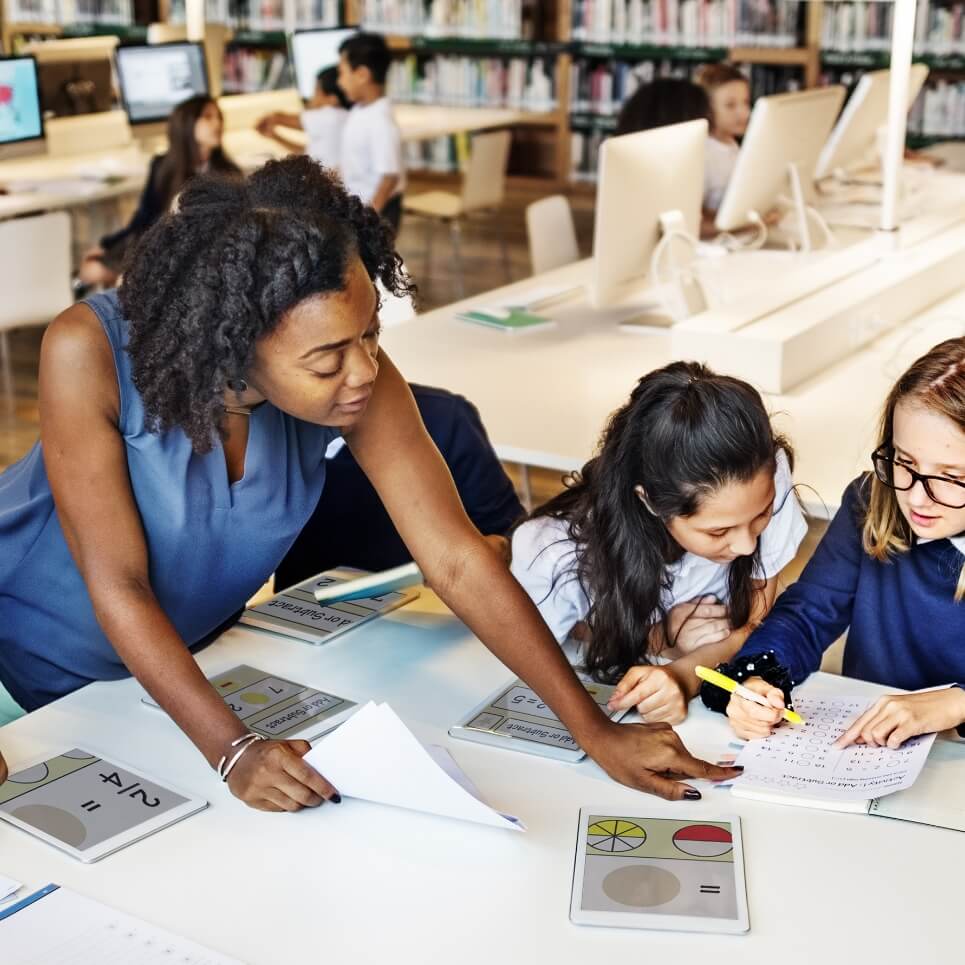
(642, 496)
(237, 385)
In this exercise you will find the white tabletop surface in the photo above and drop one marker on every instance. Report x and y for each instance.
(365, 883)
(545, 395)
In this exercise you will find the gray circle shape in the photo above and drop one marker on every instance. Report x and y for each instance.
(56, 822)
(641, 886)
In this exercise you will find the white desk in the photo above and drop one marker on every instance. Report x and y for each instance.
(363, 883)
(544, 396)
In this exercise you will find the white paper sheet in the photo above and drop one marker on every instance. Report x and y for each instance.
(803, 759)
(8, 887)
(375, 757)
(70, 929)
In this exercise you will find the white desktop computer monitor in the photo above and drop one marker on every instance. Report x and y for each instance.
(21, 118)
(314, 50)
(155, 79)
(778, 156)
(643, 176)
(852, 142)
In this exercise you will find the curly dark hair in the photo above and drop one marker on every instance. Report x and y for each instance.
(207, 281)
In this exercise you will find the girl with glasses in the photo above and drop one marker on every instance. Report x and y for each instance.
(664, 551)
(890, 571)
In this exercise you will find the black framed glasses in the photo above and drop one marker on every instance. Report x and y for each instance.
(896, 475)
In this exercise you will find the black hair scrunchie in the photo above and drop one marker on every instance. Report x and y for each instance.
(763, 665)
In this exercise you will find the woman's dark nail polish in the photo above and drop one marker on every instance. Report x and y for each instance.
(691, 795)
(336, 798)
(737, 767)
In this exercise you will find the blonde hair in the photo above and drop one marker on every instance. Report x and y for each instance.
(712, 76)
(936, 382)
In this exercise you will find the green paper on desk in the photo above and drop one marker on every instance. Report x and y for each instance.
(508, 319)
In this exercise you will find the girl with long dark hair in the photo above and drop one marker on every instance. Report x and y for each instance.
(667, 545)
(195, 128)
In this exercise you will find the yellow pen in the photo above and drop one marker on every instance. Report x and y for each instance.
(733, 687)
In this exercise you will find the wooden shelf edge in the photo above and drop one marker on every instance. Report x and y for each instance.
(771, 56)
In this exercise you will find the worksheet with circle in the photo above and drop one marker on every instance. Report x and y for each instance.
(515, 718)
(277, 708)
(638, 871)
(88, 806)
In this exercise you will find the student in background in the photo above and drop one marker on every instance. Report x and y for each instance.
(371, 164)
(729, 92)
(667, 546)
(666, 100)
(195, 128)
(350, 525)
(890, 571)
(323, 121)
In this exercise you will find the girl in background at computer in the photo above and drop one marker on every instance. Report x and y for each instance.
(194, 146)
(668, 544)
(323, 121)
(890, 571)
(730, 109)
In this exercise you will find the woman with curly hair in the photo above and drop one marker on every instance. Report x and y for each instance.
(184, 423)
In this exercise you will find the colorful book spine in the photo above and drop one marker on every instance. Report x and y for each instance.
(496, 19)
(520, 83)
(248, 70)
(689, 23)
(864, 26)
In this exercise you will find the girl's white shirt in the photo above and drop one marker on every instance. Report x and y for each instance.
(544, 561)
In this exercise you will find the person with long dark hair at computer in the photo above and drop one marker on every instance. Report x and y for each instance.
(195, 128)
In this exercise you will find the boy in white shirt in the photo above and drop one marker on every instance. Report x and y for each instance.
(371, 165)
(323, 121)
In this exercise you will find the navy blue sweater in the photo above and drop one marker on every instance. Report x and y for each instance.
(905, 629)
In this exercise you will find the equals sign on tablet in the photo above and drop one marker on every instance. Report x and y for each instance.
(710, 889)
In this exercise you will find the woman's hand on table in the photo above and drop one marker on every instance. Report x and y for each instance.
(651, 758)
(3, 769)
(892, 720)
(271, 776)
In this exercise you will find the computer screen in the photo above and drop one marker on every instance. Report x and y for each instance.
(314, 50)
(21, 119)
(155, 79)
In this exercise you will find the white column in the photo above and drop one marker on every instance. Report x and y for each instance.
(194, 15)
(902, 43)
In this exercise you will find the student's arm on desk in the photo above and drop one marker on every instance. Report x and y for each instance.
(3, 769)
(396, 453)
(86, 463)
(662, 693)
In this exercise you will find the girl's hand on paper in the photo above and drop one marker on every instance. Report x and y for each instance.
(655, 691)
(752, 721)
(651, 757)
(892, 720)
(696, 623)
(271, 776)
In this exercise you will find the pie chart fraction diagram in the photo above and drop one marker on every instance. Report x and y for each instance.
(615, 836)
(703, 841)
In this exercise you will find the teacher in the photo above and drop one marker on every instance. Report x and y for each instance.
(184, 423)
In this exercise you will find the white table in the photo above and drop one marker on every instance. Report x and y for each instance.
(545, 395)
(363, 883)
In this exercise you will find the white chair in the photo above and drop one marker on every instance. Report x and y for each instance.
(34, 277)
(552, 236)
(483, 191)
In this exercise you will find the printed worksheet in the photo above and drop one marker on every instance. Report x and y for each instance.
(803, 759)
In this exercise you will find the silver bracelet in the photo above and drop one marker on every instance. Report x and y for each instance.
(242, 743)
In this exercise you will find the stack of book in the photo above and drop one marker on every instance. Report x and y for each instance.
(863, 26)
(689, 23)
(251, 69)
(498, 19)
